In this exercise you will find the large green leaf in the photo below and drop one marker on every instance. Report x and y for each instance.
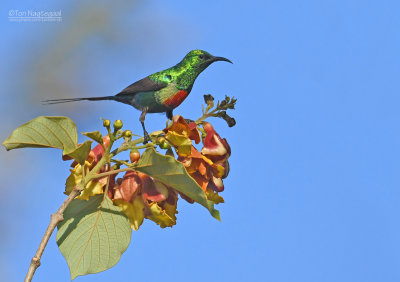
(44, 132)
(93, 235)
(168, 170)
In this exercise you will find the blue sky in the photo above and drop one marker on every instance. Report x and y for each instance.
(313, 193)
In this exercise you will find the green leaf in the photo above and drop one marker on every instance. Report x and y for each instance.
(44, 132)
(168, 170)
(93, 235)
(95, 135)
(80, 154)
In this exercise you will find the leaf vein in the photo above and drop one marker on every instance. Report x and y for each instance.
(108, 239)
(66, 132)
(90, 237)
(38, 132)
(51, 131)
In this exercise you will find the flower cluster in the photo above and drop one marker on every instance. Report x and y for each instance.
(209, 166)
(141, 196)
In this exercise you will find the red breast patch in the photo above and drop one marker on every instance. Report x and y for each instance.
(176, 99)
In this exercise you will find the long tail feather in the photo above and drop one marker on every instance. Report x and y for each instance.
(59, 101)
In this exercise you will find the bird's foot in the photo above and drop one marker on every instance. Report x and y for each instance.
(147, 138)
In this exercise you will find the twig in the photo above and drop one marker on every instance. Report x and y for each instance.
(56, 218)
(111, 172)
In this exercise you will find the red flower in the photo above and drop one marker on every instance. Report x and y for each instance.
(209, 166)
(215, 148)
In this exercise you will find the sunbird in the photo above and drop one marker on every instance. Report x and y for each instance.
(161, 91)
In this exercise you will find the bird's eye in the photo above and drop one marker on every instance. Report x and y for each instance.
(201, 56)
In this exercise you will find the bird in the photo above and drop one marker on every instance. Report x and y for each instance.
(159, 92)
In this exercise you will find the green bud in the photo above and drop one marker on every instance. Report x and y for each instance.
(116, 166)
(106, 123)
(127, 134)
(118, 124)
(165, 145)
(160, 139)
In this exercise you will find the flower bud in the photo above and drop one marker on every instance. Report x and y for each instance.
(115, 166)
(106, 123)
(209, 100)
(165, 145)
(118, 124)
(134, 155)
(127, 134)
(160, 140)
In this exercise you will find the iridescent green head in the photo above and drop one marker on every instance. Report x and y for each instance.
(186, 71)
(200, 60)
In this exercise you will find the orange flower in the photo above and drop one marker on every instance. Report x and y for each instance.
(138, 184)
(201, 168)
(180, 126)
(180, 135)
(153, 190)
(141, 196)
(209, 166)
(126, 188)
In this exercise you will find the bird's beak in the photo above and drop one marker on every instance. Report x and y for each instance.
(214, 59)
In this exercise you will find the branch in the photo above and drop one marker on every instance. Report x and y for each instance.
(56, 218)
(219, 110)
(111, 172)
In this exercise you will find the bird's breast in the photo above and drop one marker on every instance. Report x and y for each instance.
(171, 96)
(161, 100)
(176, 99)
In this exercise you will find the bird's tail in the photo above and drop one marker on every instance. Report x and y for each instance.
(59, 101)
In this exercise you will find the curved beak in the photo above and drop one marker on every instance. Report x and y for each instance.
(214, 59)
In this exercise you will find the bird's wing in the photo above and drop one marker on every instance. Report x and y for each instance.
(144, 85)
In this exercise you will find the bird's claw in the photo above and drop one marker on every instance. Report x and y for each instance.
(146, 138)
